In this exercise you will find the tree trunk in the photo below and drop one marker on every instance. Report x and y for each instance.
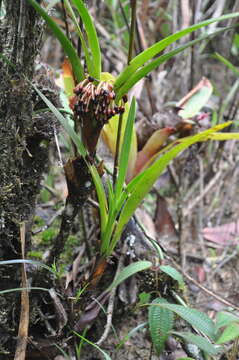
(23, 158)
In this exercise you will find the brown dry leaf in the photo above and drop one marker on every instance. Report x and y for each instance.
(164, 223)
(227, 234)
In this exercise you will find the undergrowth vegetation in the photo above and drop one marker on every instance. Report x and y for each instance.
(98, 107)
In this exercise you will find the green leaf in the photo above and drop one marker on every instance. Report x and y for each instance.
(130, 334)
(155, 49)
(134, 76)
(64, 122)
(129, 271)
(145, 181)
(65, 42)
(199, 341)
(230, 333)
(125, 149)
(91, 36)
(22, 289)
(224, 136)
(173, 273)
(103, 206)
(26, 261)
(198, 97)
(224, 318)
(227, 63)
(77, 140)
(196, 318)
(89, 61)
(160, 324)
(106, 356)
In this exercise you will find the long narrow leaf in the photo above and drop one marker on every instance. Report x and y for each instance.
(64, 122)
(89, 61)
(22, 289)
(125, 149)
(91, 35)
(65, 42)
(227, 63)
(150, 175)
(142, 72)
(106, 356)
(155, 49)
(101, 197)
(27, 261)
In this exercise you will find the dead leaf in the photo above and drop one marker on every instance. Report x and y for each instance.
(227, 234)
(164, 223)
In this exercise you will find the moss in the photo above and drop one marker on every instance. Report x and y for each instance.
(35, 254)
(48, 235)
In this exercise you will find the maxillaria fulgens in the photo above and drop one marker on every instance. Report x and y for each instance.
(98, 101)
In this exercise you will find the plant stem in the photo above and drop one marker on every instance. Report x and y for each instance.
(132, 29)
(130, 53)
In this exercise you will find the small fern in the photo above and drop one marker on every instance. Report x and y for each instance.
(160, 323)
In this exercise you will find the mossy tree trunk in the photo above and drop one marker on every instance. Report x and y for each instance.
(22, 155)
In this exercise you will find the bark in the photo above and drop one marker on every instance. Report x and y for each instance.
(23, 157)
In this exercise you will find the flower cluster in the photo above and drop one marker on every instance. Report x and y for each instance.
(98, 101)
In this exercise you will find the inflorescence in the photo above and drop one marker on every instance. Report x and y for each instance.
(97, 101)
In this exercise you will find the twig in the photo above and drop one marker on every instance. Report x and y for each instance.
(200, 208)
(20, 353)
(110, 308)
(203, 193)
(209, 292)
(224, 262)
(48, 223)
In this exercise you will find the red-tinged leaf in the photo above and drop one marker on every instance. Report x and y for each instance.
(68, 78)
(152, 146)
(198, 97)
(200, 274)
(223, 235)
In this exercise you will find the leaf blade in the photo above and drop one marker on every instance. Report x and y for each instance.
(152, 51)
(160, 324)
(65, 42)
(91, 35)
(129, 271)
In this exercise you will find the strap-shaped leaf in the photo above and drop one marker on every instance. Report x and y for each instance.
(227, 63)
(88, 59)
(65, 42)
(27, 261)
(91, 36)
(125, 149)
(160, 324)
(155, 49)
(145, 181)
(106, 356)
(135, 76)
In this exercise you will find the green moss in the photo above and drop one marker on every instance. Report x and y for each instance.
(48, 235)
(35, 254)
